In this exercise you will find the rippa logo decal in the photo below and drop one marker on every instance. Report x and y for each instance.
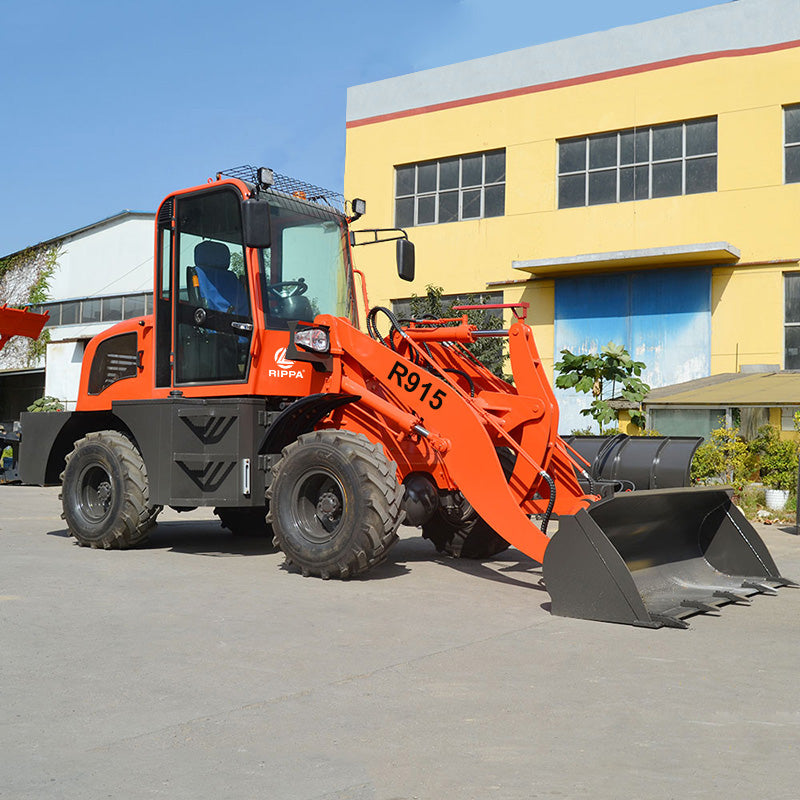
(284, 367)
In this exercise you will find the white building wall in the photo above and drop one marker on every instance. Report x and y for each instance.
(112, 258)
(109, 259)
(63, 373)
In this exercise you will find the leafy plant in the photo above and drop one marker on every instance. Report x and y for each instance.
(777, 458)
(597, 373)
(738, 462)
(24, 281)
(488, 350)
(46, 403)
(707, 463)
(728, 459)
(751, 500)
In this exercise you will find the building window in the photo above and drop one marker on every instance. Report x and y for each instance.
(638, 164)
(450, 189)
(791, 139)
(791, 320)
(403, 307)
(787, 417)
(96, 309)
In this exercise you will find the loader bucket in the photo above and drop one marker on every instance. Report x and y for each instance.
(654, 557)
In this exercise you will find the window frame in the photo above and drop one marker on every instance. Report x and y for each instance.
(789, 324)
(85, 303)
(650, 162)
(183, 308)
(788, 146)
(461, 189)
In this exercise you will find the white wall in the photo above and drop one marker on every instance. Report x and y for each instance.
(63, 373)
(109, 259)
(113, 258)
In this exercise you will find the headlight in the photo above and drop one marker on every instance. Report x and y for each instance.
(314, 339)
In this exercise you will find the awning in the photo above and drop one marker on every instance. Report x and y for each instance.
(675, 255)
(758, 389)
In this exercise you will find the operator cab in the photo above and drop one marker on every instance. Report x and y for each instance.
(205, 312)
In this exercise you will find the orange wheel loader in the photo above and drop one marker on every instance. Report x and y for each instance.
(251, 389)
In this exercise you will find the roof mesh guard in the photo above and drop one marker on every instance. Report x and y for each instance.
(292, 187)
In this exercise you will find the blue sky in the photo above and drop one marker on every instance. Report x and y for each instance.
(111, 105)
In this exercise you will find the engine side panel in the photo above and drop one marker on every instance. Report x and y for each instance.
(200, 451)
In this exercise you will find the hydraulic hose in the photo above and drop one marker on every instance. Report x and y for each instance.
(588, 478)
(552, 484)
(372, 327)
(466, 378)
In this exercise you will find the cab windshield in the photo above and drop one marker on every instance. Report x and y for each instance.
(306, 271)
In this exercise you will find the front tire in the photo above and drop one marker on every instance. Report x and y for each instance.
(105, 494)
(334, 504)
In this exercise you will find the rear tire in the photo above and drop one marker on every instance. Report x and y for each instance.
(105, 494)
(461, 532)
(334, 504)
(246, 521)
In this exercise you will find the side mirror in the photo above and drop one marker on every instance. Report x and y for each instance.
(255, 221)
(405, 259)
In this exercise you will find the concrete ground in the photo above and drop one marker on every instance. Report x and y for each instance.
(197, 667)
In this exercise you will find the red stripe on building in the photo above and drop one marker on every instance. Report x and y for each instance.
(546, 87)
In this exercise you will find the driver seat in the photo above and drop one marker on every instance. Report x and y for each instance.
(220, 288)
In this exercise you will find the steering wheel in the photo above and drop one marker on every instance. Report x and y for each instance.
(285, 289)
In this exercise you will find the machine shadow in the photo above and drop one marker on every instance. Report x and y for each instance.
(208, 538)
(500, 568)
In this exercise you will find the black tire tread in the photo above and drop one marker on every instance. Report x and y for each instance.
(138, 516)
(465, 534)
(471, 537)
(381, 515)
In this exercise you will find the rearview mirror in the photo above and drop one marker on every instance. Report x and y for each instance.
(255, 220)
(405, 259)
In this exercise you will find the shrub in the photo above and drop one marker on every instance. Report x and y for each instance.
(707, 463)
(46, 403)
(779, 465)
(727, 457)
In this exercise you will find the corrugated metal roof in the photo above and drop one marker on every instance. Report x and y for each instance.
(732, 389)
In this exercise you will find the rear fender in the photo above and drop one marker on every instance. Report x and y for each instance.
(48, 437)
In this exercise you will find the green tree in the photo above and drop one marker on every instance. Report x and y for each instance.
(489, 350)
(602, 374)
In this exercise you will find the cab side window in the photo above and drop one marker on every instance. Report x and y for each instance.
(213, 320)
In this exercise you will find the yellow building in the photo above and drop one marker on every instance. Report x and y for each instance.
(640, 185)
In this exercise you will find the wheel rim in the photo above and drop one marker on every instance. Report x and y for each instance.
(95, 493)
(319, 503)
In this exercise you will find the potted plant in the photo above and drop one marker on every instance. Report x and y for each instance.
(778, 468)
